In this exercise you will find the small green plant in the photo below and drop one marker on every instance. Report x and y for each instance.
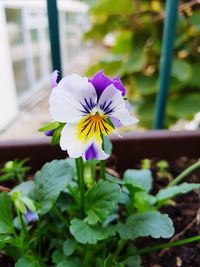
(163, 170)
(14, 170)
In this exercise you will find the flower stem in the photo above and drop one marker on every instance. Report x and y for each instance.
(80, 173)
(167, 245)
(162, 246)
(24, 232)
(93, 169)
(180, 177)
(102, 169)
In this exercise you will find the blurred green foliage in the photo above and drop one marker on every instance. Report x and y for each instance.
(135, 28)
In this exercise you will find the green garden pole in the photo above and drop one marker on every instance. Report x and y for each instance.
(54, 36)
(166, 61)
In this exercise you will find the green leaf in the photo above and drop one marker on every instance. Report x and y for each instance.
(70, 262)
(57, 256)
(100, 201)
(28, 203)
(50, 181)
(133, 261)
(6, 222)
(69, 247)
(114, 179)
(184, 106)
(139, 178)
(20, 206)
(6, 177)
(49, 126)
(195, 78)
(181, 70)
(146, 85)
(27, 262)
(194, 20)
(91, 234)
(107, 145)
(143, 201)
(123, 43)
(151, 223)
(26, 188)
(172, 191)
(135, 63)
(110, 7)
(4, 239)
(146, 110)
(56, 136)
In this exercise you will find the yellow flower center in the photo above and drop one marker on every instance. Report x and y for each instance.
(92, 126)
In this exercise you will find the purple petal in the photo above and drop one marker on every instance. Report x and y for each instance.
(91, 152)
(100, 81)
(117, 123)
(54, 77)
(49, 133)
(118, 84)
(31, 217)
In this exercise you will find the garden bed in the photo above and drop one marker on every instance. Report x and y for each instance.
(180, 149)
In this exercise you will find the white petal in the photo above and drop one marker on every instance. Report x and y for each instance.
(66, 98)
(70, 142)
(112, 104)
(100, 154)
(75, 147)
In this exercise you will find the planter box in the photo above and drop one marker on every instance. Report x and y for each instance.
(128, 150)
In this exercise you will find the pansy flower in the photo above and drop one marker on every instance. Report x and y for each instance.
(31, 216)
(90, 108)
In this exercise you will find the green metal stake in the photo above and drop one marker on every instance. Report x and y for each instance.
(166, 61)
(54, 36)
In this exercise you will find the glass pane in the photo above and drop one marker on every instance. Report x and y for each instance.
(36, 53)
(48, 54)
(14, 23)
(20, 74)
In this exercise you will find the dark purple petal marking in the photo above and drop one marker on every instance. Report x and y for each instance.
(107, 108)
(118, 84)
(100, 81)
(31, 217)
(87, 105)
(49, 133)
(91, 152)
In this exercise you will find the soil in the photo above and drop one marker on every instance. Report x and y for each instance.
(185, 213)
(6, 261)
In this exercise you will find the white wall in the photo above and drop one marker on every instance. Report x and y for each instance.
(8, 99)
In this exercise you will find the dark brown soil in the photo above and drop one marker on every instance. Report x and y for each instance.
(6, 261)
(185, 213)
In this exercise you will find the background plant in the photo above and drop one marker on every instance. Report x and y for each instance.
(14, 170)
(135, 28)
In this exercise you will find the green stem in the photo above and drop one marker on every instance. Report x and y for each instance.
(102, 169)
(62, 218)
(80, 173)
(167, 245)
(93, 169)
(185, 173)
(24, 231)
(122, 244)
